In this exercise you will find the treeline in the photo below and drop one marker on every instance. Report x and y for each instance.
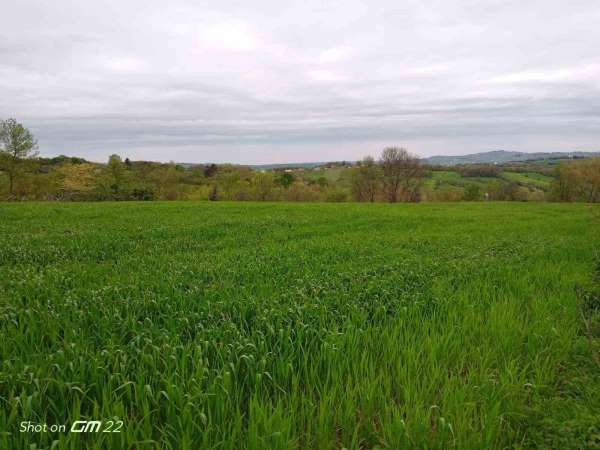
(75, 179)
(395, 176)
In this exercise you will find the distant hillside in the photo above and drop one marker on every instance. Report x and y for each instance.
(306, 165)
(493, 157)
(503, 156)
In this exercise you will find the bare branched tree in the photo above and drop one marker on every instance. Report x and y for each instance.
(403, 175)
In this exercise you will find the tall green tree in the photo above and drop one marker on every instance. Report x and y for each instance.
(286, 179)
(16, 144)
(116, 176)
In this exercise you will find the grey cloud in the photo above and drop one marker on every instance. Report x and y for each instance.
(292, 81)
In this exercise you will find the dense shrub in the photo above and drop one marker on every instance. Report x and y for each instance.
(478, 170)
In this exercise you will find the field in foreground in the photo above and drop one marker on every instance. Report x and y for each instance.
(259, 326)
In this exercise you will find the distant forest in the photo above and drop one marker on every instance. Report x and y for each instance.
(395, 175)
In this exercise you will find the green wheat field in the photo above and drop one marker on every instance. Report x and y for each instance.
(300, 326)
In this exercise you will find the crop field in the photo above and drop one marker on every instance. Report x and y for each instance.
(529, 179)
(197, 325)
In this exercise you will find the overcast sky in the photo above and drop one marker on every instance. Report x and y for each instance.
(286, 81)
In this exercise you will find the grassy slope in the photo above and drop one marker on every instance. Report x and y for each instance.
(331, 175)
(298, 325)
(532, 179)
(455, 179)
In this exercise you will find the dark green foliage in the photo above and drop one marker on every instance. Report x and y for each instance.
(142, 194)
(62, 159)
(478, 170)
(210, 170)
(285, 179)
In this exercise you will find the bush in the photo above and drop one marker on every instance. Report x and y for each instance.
(336, 195)
(472, 192)
(479, 170)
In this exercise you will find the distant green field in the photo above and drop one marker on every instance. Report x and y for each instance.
(292, 326)
(452, 178)
(332, 175)
(532, 179)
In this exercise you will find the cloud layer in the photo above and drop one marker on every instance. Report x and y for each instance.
(269, 81)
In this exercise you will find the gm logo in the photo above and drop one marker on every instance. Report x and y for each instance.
(86, 426)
